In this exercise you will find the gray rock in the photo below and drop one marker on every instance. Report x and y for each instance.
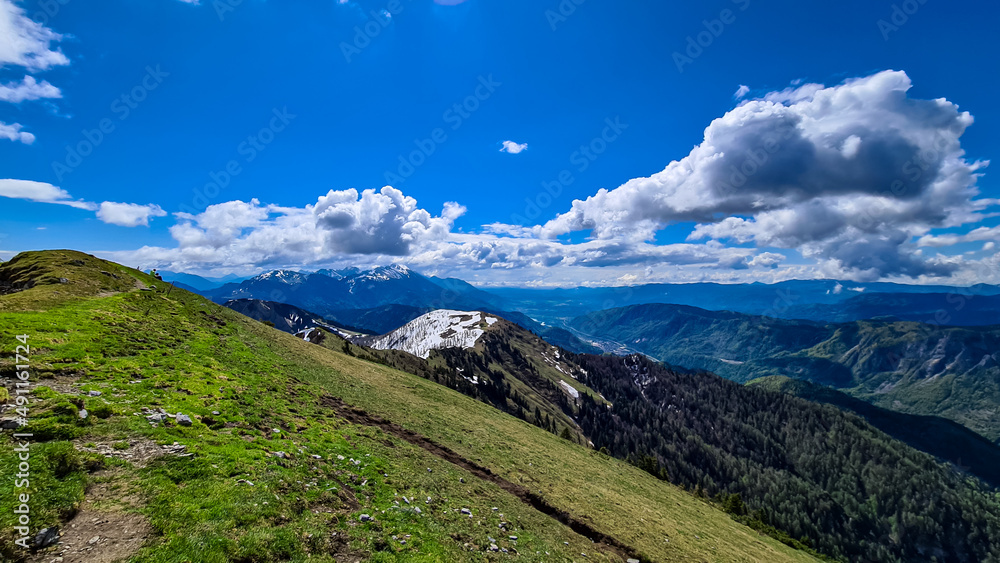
(183, 419)
(466, 511)
(94, 393)
(11, 423)
(281, 455)
(46, 537)
(633, 561)
(366, 518)
(216, 413)
(417, 510)
(156, 417)
(83, 414)
(276, 431)
(513, 538)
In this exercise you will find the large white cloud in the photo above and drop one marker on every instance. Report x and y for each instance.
(341, 224)
(846, 175)
(384, 222)
(25, 42)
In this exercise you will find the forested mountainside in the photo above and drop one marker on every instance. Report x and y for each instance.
(820, 474)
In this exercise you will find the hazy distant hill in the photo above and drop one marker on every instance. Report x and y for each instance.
(947, 309)
(781, 300)
(952, 372)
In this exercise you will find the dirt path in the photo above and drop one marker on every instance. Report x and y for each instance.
(601, 540)
(105, 530)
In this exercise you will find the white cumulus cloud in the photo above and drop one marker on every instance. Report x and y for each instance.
(28, 89)
(512, 147)
(27, 43)
(846, 175)
(14, 132)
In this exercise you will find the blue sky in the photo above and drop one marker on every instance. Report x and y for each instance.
(489, 119)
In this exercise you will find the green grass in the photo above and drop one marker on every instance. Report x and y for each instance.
(183, 354)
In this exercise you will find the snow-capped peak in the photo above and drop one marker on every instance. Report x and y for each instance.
(285, 276)
(384, 273)
(444, 328)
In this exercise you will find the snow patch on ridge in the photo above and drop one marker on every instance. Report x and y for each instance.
(444, 328)
(570, 389)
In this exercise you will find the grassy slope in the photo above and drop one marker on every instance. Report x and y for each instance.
(191, 356)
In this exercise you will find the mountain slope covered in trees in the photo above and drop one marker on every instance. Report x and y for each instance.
(813, 471)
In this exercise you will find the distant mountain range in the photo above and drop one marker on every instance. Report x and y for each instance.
(911, 367)
(956, 309)
(351, 294)
(807, 299)
(328, 291)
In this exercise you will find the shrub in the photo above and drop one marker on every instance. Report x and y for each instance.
(63, 459)
(66, 408)
(102, 410)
